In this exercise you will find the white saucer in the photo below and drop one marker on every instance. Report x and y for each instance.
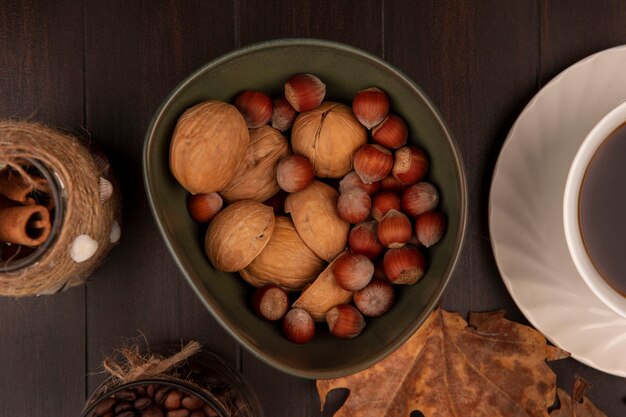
(526, 212)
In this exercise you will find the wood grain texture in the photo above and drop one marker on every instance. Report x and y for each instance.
(41, 67)
(358, 23)
(573, 30)
(478, 63)
(42, 338)
(136, 53)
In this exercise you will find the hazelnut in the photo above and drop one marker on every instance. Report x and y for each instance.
(353, 271)
(391, 183)
(304, 92)
(238, 234)
(352, 180)
(383, 202)
(392, 133)
(199, 158)
(405, 265)
(203, 207)
(283, 114)
(430, 227)
(375, 299)
(270, 302)
(370, 106)
(410, 165)
(345, 321)
(363, 239)
(354, 205)
(298, 326)
(394, 230)
(255, 107)
(294, 173)
(419, 198)
(372, 163)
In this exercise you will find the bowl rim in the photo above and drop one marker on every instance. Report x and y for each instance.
(430, 305)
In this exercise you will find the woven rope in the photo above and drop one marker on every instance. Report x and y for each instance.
(135, 366)
(74, 166)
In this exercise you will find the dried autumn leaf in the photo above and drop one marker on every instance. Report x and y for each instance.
(577, 405)
(447, 369)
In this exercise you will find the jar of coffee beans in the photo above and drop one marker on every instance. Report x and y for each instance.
(202, 386)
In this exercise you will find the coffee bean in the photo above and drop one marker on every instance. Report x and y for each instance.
(192, 403)
(182, 412)
(197, 413)
(108, 414)
(210, 411)
(123, 406)
(152, 411)
(141, 391)
(142, 402)
(126, 414)
(150, 390)
(241, 405)
(126, 395)
(105, 406)
(172, 401)
(161, 394)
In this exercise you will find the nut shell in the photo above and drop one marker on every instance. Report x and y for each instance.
(352, 180)
(314, 214)
(405, 265)
(238, 234)
(256, 177)
(208, 144)
(286, 261)
(322, 295)
(363, 239)
(345, 321)
(354, 205)
(372, 163)
(328, 136)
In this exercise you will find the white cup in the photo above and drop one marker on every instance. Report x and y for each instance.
(571, 200)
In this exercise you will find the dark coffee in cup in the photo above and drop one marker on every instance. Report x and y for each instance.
(602, 210)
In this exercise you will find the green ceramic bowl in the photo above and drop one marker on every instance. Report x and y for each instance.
(345, 70)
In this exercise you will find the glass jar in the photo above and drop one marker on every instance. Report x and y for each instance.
(202, 386)
(14, 256)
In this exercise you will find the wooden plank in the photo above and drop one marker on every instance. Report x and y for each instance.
(478, 63)
(136, 52)
(355, 23)
(570, 31)
(43, 349)
(573, 30)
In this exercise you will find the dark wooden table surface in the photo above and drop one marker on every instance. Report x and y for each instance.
(103, 67)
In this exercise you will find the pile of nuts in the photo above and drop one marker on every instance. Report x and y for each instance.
(339, 222)
(153, 400)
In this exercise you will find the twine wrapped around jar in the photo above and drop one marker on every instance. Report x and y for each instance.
(135, 366)
(86, 204)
